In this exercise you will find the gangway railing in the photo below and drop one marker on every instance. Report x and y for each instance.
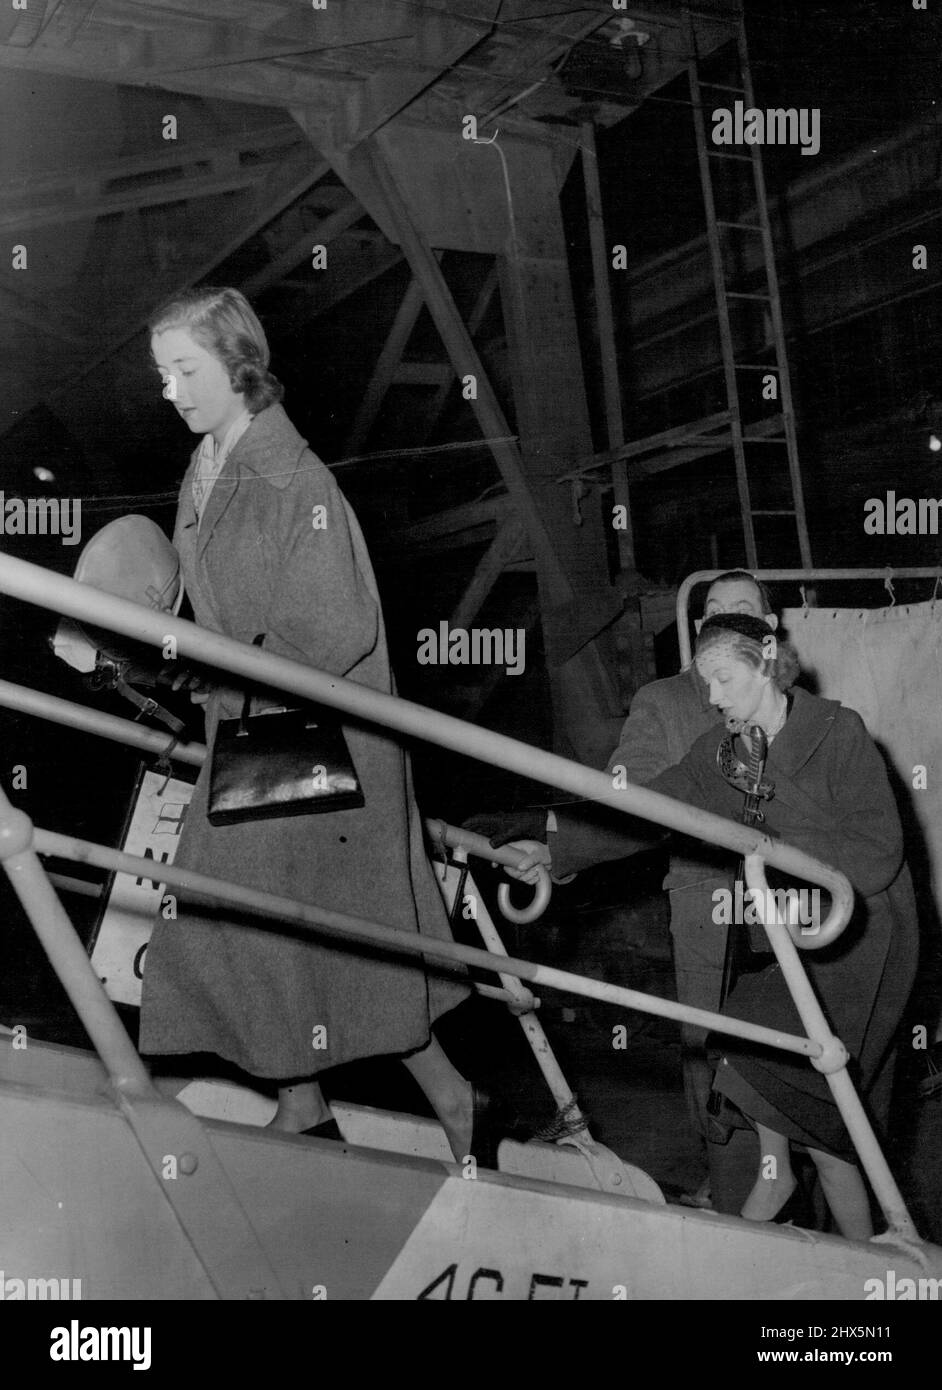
(32, 584)
(19, 842)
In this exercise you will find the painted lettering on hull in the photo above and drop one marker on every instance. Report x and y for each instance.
(489, 1283)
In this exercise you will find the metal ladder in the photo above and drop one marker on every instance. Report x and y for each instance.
(774, 436)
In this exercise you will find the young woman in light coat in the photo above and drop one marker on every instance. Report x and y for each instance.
(268, 544)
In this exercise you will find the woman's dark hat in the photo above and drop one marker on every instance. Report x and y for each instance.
(742, 623)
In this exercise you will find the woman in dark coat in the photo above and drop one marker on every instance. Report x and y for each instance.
(832, 798)
(268, 544)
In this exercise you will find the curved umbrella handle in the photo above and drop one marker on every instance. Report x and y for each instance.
(472, 843)
(522, 916)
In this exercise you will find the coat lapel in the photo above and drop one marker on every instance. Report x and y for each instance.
(224, 489)
(184, 530)
(808, 725)
(266, 449)
(186, 507)
(269, 444)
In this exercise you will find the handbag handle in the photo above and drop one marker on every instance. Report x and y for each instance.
(246, 703)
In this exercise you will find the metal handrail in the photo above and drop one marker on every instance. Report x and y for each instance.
(95, 721)
(345, 926)
(118, 730)
(33, 584)
(810, 576)
(17, 840)
(833, 1057)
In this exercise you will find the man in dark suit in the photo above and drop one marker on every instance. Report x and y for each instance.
(665, 720)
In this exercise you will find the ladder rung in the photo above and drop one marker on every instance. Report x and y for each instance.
(758, 512)
(742, 226)
(738, 294)
(764, 439)
(721, 154)
(756, 366)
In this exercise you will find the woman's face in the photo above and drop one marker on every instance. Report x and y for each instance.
(196, 382)
(736, 688)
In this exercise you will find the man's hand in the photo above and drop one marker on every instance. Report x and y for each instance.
(536, 855)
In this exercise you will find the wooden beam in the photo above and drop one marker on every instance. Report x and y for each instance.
(300, 249)
(540, 45)
(355, 262)
(477, 696)
(548, 388)
(384, 372)
(191, 171)
(677, 434)
(458, 525)
(440, 399)
(681, 444)
(278, 190)
(442, 42)
(505, 547)
(184, 190)
(437, 374)
(41, 321)
(371, 163)
(259, 83)
(615, 426)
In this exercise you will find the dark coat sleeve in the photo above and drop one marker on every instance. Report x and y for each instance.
(847, 818)
(643, 744)
(591, 834)
(322, 610)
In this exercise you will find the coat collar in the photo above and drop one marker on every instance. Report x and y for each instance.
(809, 723)
(269, 449)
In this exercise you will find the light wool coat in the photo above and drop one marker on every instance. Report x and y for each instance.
(286, 1004)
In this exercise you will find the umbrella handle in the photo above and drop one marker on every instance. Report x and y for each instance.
(522, 916)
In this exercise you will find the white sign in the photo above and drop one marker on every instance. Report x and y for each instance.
(154, 833)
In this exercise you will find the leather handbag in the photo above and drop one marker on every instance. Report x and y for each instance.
(283, 762)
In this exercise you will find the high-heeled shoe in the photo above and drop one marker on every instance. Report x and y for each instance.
(794, 1211)
(488, 1128)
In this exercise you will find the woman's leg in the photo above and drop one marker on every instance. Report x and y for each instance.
(776, 1181)
(846, 1195)
(449, 1094)
(301, 1105)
